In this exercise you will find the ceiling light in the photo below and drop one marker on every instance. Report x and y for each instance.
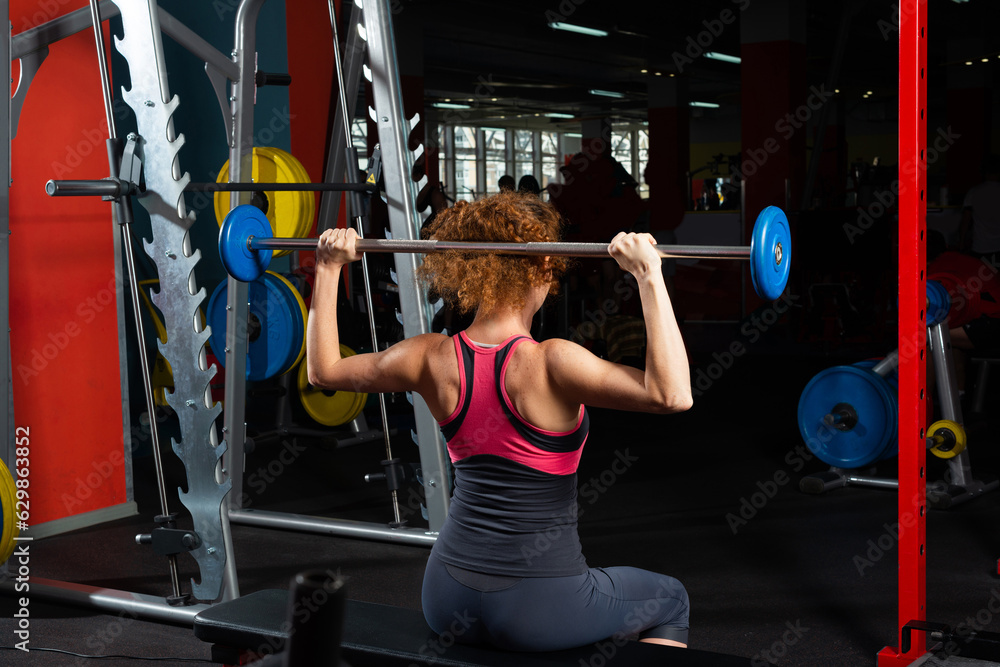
(868, 92)
(605, 93)
(579, 29)
(644, 71)
(361, 33)
(836, 90)
(558, 114)
(450, 105)
(704, 105)
(986, 60)
(367, 72)
(672, 75)
(659, 73)
(968, 62)
(574, 135)
(712, 55)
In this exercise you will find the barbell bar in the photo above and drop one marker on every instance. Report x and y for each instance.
(246, 244)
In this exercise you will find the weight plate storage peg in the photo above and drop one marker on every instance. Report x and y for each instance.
(330, 408)
(275, 329)
(848, 416)
(770, 253)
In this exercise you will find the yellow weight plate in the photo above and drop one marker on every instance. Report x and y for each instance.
(292, 164)
(359, 404)
(162, 378)
(288, 212)
(8, 497)
(956, 430)
(329, 408)
(301, 224)
(305, 317)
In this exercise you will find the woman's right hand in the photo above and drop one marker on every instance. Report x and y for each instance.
(335, 247)
(635, 253)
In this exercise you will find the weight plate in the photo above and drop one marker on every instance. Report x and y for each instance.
(296, 302)
(874, 401)
(938, 302)
(275, 328)
(770, 253)
(302, 222)
(956, 430)
(240, 261)
(289, 213)
(330, 408)
(8, 513)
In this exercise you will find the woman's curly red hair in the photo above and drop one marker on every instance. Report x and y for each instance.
(488, 281)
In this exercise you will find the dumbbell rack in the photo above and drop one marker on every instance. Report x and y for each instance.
(959, 485)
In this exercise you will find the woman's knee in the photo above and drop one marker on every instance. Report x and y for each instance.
(674, 596)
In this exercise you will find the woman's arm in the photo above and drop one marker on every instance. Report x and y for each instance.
(665, 384)
(399, 368)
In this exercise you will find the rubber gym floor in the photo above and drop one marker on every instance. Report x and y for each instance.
(798, 579)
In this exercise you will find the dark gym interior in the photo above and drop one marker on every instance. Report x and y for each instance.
(776, 573)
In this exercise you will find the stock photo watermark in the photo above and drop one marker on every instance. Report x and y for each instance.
(885, 200)
(750, 505)
(697, 45)
(780, 647)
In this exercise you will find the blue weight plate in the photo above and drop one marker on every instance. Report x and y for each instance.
(276, 328)
(892, 380)
(240, 261)
(770, 253)
(938, 302)
(875, 403)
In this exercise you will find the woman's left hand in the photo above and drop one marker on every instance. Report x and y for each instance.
(335, 247)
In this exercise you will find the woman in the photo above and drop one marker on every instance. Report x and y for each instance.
(507, 562)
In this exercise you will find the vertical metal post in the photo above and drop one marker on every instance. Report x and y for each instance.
(123, 215)
(948, 399)
(336, 165)
(912, 330)
(237, 305)
(404, 221)
(345, 116)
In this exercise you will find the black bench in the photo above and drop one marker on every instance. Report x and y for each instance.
(383, 636)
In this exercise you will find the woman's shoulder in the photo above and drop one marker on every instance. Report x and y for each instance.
(427, 344)
(559, 351)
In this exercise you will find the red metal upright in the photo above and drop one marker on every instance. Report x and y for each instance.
(912, 328)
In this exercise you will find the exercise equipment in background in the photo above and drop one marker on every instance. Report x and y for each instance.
(289, 212)
(973, 286)
(275, 329)
(330, 408)
(848, 418)
(8, 513)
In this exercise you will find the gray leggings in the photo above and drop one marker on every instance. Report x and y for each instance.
(553, 613)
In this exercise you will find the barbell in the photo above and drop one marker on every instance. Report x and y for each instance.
(246, 244)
